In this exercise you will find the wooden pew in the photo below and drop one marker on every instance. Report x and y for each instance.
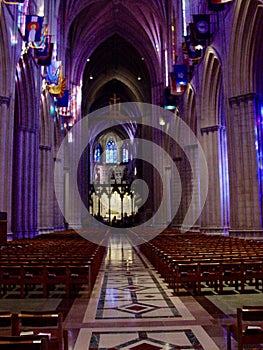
(209, 273)
(23, 343)
(248, 328)
(45, 322)
(7, 322)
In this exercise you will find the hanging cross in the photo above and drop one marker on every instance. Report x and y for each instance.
(115, 103)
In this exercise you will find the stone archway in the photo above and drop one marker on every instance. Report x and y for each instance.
(244, 116)
(213, 139)
(26, 148)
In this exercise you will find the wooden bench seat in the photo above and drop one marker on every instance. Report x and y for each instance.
(248, 328)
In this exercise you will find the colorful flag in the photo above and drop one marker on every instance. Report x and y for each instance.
(63, 101)
(46, 61)
(169, 100)
(33, 28)
(53, 72)
(194, 54)
(13, 2)
(180, 71)
(194, 36)
(215, 7)
(58, 89)
(220, 1)
(44, 51)
(176, 89)
(202, 25)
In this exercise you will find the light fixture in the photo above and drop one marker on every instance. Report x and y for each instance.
(161, 122)
(91, 77)
(139, 78)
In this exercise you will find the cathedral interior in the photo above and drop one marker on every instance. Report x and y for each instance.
(131, 161)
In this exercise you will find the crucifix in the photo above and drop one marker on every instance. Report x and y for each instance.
(115, 104)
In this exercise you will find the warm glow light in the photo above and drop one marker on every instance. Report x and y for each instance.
(91, 77)
(184, 18)
(161, 122)
(70, 136)
(166, 68)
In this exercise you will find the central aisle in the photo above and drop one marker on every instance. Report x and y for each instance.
(131, 308)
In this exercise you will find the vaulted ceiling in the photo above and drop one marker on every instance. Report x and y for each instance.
(121, 39)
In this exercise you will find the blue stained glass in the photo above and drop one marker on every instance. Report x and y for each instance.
(97, 154)
(125, 155)
(111, 152)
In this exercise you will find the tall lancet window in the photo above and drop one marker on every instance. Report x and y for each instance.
(125, 154)
(97, 154)
(111, 152)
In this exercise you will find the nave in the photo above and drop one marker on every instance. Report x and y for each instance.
(131, 308)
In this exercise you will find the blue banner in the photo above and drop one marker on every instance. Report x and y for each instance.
(13, 2)
(44, 53)
(180, 71)
(63, 101)
(33, 28)
(202, 25)
(53, 72)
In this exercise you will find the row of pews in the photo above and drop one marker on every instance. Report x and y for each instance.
(65, 259)
(22, 330)
(195, 261)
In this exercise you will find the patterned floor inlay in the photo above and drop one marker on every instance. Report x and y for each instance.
(191, 338)
(132, 308)
(148, 300)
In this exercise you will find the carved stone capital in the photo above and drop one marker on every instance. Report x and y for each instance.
(212, 128)
(45, 148)
(4, 100)
(243, 98)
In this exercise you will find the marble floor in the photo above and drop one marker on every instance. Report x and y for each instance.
(132, 308)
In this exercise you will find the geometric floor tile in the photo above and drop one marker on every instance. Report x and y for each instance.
(132, 288)
(145, 346)
(177, 339)
(137, 308)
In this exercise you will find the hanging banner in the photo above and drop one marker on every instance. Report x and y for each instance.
(176, 89)
(180, 71)
(202, 25)
(15, 2)
(58, 89)
(190, 49)
(33, 28)
(63, 101)
(53, 72)
(217, 5)
(46, 61)
(44, 51)
(220, 1)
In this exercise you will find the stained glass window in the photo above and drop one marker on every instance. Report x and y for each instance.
(125, 155)
(97, 154)
(111, 152)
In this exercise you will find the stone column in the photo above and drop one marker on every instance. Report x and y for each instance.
(45, 207)
(6, 153)
(245, 196)
(25, 186)
(213, 219)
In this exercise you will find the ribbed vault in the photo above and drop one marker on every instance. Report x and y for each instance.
(111, 30)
